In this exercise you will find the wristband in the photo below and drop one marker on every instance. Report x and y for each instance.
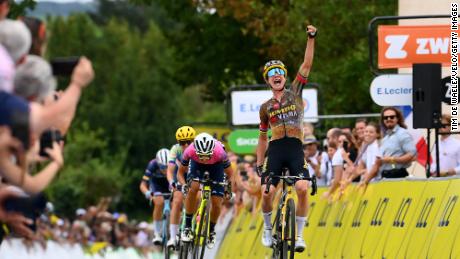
(312, 34)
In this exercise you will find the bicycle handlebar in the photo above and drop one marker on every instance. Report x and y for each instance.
(291, 177)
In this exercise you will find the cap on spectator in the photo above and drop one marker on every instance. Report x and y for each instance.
(143, 225)
(80, 212)
(16, 38)
(34, 79)
(310, 139)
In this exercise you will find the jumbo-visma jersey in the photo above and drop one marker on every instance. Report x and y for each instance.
(285, 117)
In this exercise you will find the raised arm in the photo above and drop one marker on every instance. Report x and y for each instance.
(304, 69)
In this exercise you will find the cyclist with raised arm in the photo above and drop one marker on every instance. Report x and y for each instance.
(283, 113)
(153, 184)
(184, 137)
(204, 154)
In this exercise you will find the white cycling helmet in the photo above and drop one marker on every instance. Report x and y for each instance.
(162, 156)
(204, 144)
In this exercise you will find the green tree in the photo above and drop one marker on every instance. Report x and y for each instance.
(133, 99)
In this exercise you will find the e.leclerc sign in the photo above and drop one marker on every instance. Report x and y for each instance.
(244, 141)
(392, 90)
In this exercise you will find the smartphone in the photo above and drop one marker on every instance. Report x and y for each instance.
(30, 207)
(20, 127)
(345, 146)
(47, 139)
(64, 66)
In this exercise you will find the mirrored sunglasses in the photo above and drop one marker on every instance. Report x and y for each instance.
(275, 71)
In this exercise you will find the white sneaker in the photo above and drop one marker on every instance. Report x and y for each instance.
(267, 239)
(157, 240)
(300, 244)
(211, 240)
(187, 235)
(171, 242)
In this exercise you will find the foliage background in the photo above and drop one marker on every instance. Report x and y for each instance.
(161, 64)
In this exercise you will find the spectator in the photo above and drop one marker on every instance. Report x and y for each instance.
(16, 38)
(367, 166)
(449, 151)
(327, 172)
(4, 8)
(349, 154)
(358, 132)
(398, 148)
(34, 79)
(38, 30)
(312, 156)
(337, 161)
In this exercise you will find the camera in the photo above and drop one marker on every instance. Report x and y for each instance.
(64, 66)
(29, 206)
(20, 127)
(345, 146)
(47, 139)
(244, 175)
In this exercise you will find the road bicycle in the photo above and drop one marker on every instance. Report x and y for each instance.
(165, 220)
(196, 248)
(284, 225)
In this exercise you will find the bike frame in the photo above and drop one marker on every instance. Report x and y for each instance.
(206, 194)
(286, 194)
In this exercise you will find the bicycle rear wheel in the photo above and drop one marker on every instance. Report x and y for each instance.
(289, 231)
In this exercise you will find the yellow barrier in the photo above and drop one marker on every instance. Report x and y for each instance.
(390, 219)
(403, 219)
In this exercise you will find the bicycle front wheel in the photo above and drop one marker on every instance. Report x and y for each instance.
(289, 231)
(166, 237)
(200, 236)
(205, 231)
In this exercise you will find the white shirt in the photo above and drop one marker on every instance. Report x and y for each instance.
(314, 161)
(7, 71)
(371, 154)
(326, 171)
(337, 159)
(449, 155)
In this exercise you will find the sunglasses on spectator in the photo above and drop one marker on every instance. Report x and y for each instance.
(185, 142)
(391, 117)
(275, 71)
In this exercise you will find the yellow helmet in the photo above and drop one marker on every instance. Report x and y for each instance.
(273, 64)
(185, 133)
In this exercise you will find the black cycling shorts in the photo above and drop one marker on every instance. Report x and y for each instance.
(284, 153)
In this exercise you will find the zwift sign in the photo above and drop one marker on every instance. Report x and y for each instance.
(402, 46)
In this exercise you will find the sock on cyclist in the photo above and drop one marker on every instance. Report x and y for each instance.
(267, 219)
(211, 227)
(188, 220)
(157, 227)
(173, 229)
(300, 221)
